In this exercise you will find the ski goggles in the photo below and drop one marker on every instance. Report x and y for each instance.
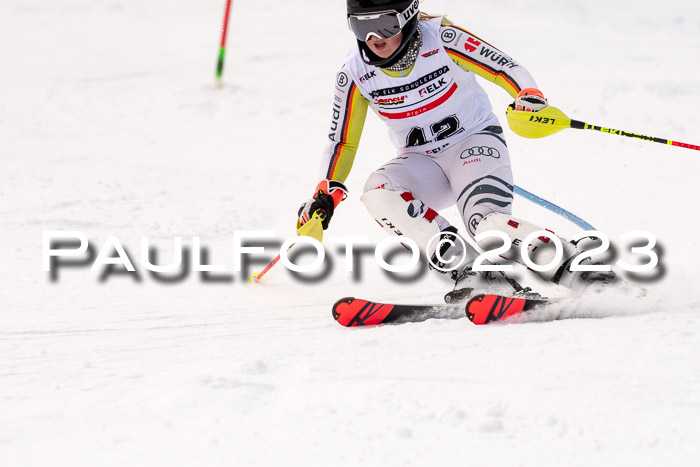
(383, 24)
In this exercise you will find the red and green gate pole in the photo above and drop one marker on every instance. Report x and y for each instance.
(222, 47)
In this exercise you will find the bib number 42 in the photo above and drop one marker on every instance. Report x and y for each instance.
(443, 129)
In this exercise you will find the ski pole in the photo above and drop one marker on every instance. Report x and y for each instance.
(551, 120)
(259, 275)
(222, 47)
(312, 228)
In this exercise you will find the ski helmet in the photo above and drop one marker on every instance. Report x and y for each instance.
(383, 19)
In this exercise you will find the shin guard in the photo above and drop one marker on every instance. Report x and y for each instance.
(541, 249)
(401, 214)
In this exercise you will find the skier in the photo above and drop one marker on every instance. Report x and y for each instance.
(418, 74)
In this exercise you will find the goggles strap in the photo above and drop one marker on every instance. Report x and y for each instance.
(406, 15)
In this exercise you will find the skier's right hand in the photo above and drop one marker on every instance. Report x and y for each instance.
(329, 193)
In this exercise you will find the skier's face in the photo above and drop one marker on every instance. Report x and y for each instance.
(384, 48)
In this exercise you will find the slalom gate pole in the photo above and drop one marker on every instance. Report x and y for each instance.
(554, 208)
(551, 120)
(222, 46)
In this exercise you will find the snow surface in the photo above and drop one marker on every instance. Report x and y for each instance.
(109, 125)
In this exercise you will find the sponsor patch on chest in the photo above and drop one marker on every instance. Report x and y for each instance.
(420, 82)
(367, 76)
(391, 100)
(431, 88)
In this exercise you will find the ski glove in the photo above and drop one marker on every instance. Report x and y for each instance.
(329, 193)
(530, 100)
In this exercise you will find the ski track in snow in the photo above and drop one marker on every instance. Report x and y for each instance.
(109, 125)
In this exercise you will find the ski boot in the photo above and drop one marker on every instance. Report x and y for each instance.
(467, 281)
(578, 280)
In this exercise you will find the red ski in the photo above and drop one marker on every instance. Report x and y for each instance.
(481, 309)
(484, 309)
(352, 311)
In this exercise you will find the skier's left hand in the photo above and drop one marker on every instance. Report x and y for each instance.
(530, 100)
